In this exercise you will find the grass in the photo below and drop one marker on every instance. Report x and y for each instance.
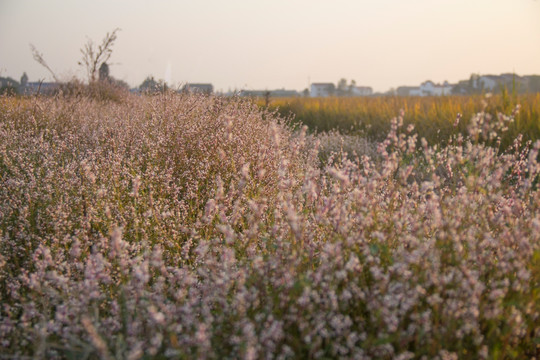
(433, 117)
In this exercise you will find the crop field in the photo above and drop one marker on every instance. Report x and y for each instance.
(183, 226)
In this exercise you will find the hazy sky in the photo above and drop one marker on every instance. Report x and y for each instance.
(260, 44)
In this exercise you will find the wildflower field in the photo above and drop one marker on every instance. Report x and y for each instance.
(181, 226)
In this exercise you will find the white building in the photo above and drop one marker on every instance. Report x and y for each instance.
(493, 82)
(487, 82)
(322, 89)
(427, 88)
(415, 91)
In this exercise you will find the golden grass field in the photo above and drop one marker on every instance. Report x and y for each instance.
(433, 117)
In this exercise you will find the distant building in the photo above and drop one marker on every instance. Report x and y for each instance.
(271, 93)
(254, 93)
(42, 88)
(361, 90)
(461, 88)
(322, 89)
(198, 88)
(485, 82)
(416, 91)
(477, 84)
(493, 82)
(407, 90)
(509, 78)
(284, 93)
(428, 88)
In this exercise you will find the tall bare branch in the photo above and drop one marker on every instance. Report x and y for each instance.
(93, 57)
(39, 58)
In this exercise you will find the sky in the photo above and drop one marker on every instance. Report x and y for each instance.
(274, 44)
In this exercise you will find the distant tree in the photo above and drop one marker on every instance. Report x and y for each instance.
(473, 83)
(352, 85)
(305, 93)
(391, 92)
(24, 79)
(534, 83)
(150, 85)
(461, 88)
(104, 72)
(342, 87)
(8, 86)
(120, 83)
(94, 57)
